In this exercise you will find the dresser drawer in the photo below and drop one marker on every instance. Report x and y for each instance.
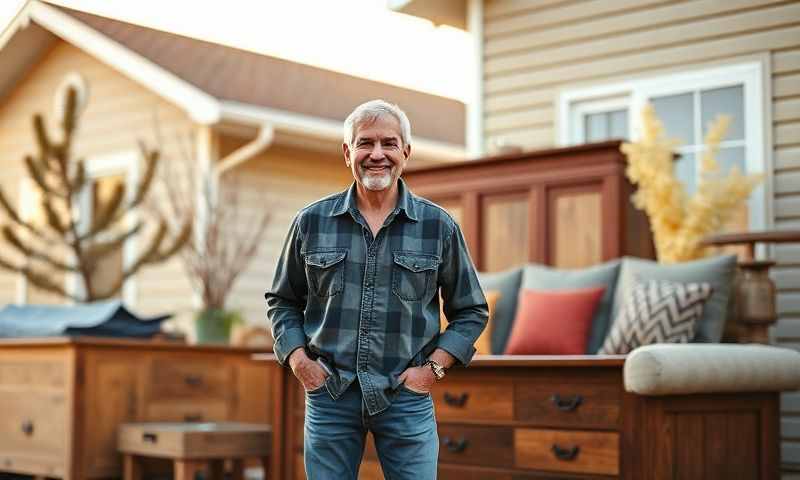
(460, 472)
(34, 374)
(474, 445)
(572, 401)
(474, 400)
(181, 378)
(567, 451)
(187, 411)
(34, 421)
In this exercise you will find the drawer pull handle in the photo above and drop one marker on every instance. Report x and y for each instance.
(193, 380)
(192, 417)
(27, 427)
(566, 454)
(455, 446)
(455, 400)
(566, 405)
(150, 438)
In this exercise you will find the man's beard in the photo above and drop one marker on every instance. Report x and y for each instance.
(377, 182)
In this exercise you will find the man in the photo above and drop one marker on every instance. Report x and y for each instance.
(354, 308)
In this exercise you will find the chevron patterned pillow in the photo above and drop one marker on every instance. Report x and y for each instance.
(657, 311)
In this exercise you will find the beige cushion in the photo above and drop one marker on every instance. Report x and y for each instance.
(668, 369)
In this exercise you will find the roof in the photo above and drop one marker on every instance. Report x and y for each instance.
(246, 82)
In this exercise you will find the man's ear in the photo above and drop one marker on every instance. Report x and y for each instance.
(346, 152)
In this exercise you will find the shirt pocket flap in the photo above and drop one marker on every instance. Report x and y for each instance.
(324, 259)
(417, 262)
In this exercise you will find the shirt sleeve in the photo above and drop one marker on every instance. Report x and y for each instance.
(286, 300)
(464, 304)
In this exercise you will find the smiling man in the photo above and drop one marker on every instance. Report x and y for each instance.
(354, 308)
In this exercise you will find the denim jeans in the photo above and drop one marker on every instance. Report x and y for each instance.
(335, 433)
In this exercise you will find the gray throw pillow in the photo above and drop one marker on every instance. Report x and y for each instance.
(717, 271)
(541, 277)
(507, 283)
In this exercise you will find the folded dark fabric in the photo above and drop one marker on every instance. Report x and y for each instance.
(106, 319)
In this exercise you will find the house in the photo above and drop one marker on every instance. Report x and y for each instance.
(275, 122)
(556, 72)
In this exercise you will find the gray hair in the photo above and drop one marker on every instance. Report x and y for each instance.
(369, 112)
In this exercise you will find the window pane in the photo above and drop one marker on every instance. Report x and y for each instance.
(686, 171)
(595, 126)
(676, 113)
(618, 124)
(728, 157)
(724, 101)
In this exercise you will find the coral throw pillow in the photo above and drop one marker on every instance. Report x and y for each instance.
(483, 345)
(553, 322)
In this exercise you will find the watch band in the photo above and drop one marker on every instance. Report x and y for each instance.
(436, 368)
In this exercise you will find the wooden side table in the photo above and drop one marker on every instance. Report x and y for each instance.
(194, 447)
(754, 291)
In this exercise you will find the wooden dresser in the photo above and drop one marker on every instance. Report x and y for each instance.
(515, 418)
(61, 399)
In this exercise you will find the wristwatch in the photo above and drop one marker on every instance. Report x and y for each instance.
(438, 370)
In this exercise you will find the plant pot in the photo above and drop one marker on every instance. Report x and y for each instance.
(214, 326)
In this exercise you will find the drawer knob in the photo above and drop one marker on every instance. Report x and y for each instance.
(455, 400)
(455, 446)
(566, 405)
(150, 437)
(27, 427)
(566, 454)
(193, 380)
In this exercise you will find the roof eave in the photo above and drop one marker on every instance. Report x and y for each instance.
(328, 130)
(440, 12)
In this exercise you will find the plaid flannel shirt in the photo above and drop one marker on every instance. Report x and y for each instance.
(369, 307)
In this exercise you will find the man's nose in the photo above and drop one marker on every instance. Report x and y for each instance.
(377, 151)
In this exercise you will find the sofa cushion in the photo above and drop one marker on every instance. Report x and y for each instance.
(553, 322)
(657, 311)
(507, 284)
(541, 277)
(687, 369)
(717, 271)
(483, 346)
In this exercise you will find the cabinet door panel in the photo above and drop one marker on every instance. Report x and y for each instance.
(505, 231)
(575, 226)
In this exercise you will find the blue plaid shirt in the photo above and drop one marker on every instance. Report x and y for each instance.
(369, 307)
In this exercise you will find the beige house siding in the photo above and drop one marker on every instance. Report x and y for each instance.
(119, 112)
(281, 180)
(534, 49)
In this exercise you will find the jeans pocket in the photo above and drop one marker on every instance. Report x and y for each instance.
(403, 388)
(317, 390)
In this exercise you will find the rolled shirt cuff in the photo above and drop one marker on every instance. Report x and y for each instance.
(457, 346)
(289, 341)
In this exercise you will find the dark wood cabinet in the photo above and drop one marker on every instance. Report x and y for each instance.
(567, 207)
(523, 417)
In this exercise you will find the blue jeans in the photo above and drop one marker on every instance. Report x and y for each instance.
(335, 433)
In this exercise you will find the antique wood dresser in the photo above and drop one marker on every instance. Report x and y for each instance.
(61, 399)
(515, 418)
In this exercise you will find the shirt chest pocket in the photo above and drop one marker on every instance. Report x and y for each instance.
(414, 275)
(325, 272)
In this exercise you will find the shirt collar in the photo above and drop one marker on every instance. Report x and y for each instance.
(405, 201)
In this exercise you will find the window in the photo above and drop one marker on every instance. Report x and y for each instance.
(105, 173)
(686, 103)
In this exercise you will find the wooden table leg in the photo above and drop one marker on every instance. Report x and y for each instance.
(187, 469)
(217, 469)
(132, 467)
(238, 469)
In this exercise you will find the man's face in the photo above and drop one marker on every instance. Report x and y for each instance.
(377, 156)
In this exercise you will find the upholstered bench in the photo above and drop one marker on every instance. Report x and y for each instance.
(194, 447)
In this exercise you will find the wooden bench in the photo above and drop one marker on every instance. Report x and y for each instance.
(195, 447)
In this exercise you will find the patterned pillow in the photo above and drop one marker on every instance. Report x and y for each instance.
(657, 311)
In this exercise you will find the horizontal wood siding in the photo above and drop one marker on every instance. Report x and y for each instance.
(119, 113)
(535, 48)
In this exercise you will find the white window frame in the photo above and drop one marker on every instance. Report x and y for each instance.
(752, 74)
(128, 164)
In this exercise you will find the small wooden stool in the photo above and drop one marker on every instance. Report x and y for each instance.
(193, 447)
